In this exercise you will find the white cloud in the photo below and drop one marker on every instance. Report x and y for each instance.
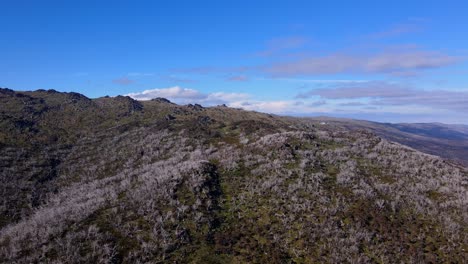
(172, 93)
(283, 106)
(238, 100)
(186, 95)
(264, 106)
(391, 95)
(227, 97)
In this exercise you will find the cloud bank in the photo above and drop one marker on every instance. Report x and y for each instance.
(185, 96)
(358, 100)
(392, 62)
(388, 94)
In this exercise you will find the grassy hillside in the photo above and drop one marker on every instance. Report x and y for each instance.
(116, 180)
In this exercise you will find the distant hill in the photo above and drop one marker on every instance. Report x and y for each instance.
(447, 141)
(115, 180)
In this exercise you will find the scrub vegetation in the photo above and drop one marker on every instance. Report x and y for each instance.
(114, 180)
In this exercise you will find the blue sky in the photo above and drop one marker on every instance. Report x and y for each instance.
(390, 62)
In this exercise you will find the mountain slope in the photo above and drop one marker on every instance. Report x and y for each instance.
(117, 180)
(447, 141)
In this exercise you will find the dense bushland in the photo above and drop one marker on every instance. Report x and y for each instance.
(114, 180)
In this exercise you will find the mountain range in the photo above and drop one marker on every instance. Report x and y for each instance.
(115, 180)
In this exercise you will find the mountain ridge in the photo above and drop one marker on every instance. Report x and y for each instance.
(118, 180)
